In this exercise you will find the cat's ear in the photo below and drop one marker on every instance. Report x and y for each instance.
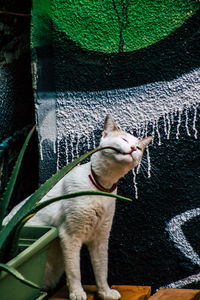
(146, 141)
(109, 126)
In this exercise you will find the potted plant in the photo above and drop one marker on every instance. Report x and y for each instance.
(23, 250)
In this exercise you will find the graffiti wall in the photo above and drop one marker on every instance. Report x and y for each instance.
(139, 61)
(16, 97)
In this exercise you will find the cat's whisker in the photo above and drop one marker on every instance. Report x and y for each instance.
(140, 167)
(154, 172)
(144, 168)
(142, 171)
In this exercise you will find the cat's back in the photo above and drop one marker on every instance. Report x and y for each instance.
(78, 179)
(75, 181)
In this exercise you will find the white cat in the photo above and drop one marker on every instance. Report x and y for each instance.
(88, 219)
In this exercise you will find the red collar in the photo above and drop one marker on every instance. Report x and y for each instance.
(94, 180)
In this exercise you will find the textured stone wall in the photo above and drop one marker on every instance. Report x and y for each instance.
(141, 64)
(16, 95)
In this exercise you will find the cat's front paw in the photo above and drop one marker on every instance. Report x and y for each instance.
(109, 294)
(78, 294)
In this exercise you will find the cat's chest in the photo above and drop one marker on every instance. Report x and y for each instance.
(88, 218)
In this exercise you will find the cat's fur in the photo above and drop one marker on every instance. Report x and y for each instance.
(88, 219)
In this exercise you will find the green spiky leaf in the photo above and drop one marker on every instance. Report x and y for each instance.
(12, 271)
(7, 234)
(43, 204)
(10, 186)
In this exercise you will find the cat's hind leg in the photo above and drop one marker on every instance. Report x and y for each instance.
(54, 266)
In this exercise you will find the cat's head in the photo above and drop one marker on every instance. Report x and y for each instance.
(129, 148)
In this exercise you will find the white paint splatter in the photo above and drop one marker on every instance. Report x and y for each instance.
(158, 133)
(186, 123)
(169, 126)
(80, 114)
(194, 122)
(149, 162)
(177, 236)
(183, 282)
(178, 125)
(135, 184)
(66, 152)
(131, 107)
(138, 168)
(165, 124)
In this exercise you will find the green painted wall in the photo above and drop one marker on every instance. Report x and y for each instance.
(115, 26)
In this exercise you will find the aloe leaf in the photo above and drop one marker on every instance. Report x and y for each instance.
(10, 186)
(7, 234)
(15, 242)
(12, 271)
(43, 204)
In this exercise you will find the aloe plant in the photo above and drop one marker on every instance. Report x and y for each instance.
(10, 186)
(10, 233)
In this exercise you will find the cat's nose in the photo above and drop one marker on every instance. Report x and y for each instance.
(133, 148)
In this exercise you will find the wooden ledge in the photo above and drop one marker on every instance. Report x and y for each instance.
(131, 292)
(176, 294)
(127, 292)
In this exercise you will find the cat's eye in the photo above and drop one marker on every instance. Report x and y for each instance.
(139, 148)
(124, 140)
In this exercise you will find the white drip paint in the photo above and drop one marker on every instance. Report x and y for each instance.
(178, 125)
(138, 168)
(149, 162)
(169, 126)
(153, 131)
(142, 131)
(135, 184)
(41, 150)
(194, 122)
(172, 117)
(186, 123)
(94, 140)
(72, 147)
(58, 158)
(158, 134)
(165, 124)
(77, 144)
(137, 107)
(66, 153)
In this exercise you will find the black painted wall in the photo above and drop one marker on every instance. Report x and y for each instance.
(76, 87)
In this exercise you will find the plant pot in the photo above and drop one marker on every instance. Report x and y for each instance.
(34, 244)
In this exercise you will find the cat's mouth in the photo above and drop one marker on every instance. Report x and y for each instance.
(133, 149)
